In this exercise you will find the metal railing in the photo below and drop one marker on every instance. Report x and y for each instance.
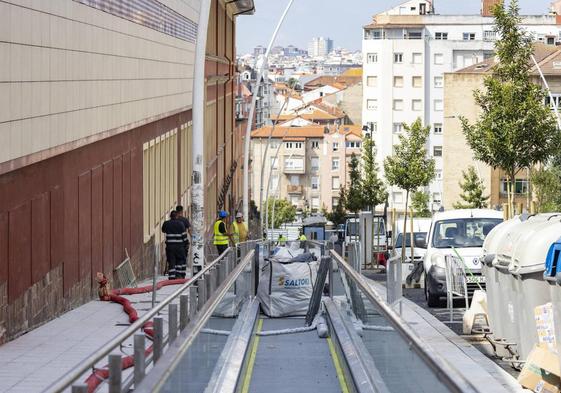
(192, 297)
(443, 370)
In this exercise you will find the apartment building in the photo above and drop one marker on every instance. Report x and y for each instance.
(95, 124)
(407, 50)
(320, 47)
(459, 101)
(311, 166)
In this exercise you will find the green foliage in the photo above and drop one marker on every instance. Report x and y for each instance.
(338, 214)
(285, 212)
(373, 189)
(409, 168)
(546, 185)
(420, 203)
(292, 83)
(515, 130)
(472, 191)
(354, 200)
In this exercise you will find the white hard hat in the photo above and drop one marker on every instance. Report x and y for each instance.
(239, 215)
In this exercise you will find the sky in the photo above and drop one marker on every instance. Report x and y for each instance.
(340, 20)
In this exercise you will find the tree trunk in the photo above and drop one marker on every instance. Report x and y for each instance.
(403, 242)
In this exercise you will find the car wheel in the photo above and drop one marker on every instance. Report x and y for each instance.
(432, 300)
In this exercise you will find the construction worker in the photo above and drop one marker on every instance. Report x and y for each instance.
(221, 235)
(176, 236)
(240, 229)
(282, 240)
(302, 239)
(181, 217)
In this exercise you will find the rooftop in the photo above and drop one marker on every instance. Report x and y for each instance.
(289, 132)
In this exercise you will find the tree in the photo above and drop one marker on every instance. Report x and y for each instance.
(354, 198)
(515, 129)
(472, 191)
(292, 83)
(338, 214)
(420, 203)
(410, 168)
(285, 212)
(373, 188)
(546, 185)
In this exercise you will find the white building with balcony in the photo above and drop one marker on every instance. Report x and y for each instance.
(406, 51)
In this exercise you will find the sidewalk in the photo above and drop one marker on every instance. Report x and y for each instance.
(474, 365)
(35, 360)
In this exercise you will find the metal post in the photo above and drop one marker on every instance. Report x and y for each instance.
(158, 338)
(192, 303)
(221, 273)
(172, 322)
(183, 310)
(80, 389)
(156, 262)
(212, 281)
(330, 277)
(201, 293)
(255, 271)
(139, 358)
(115, 373)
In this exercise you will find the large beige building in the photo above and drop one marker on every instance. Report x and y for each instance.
(312, 163)
(459, 101)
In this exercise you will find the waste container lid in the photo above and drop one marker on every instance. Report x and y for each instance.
(530, 254)
(494, 238)
(552, 260)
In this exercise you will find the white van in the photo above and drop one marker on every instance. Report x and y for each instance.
(456, 231)
(421, 228)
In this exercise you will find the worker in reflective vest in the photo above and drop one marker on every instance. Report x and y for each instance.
(282, 240)
(221, 236)
(240, 229)
(176, 236)
(302, 239)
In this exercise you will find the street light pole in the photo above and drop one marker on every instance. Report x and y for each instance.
(252, 112)
(554, 104)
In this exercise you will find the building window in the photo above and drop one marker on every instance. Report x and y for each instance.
(469, 36)
(520, 186)
(315, 164)
(438, 106)
(440, 36)
(438, 174)
(437, 151)
(372, 105)
(416, 105)
(397, 197)
(417, 81)
(371, 58)
(397, 105)
(437, 128)
(315, 144)
(335, 201)
(372, 126)
(293, 145)
(335, 146)
(293, 163)
(294, 180)
(413, 35)
(335, 164)
(398, 58)
(397, 128)
(315, 204)
(489, 35)
(417, 58)
(315, 182)
(438, 58)
(438, 82)
(372, 81)
(373, 34)
(353, 144)
(274, 163)
(274, 184)
(335, 183)
(397, 81)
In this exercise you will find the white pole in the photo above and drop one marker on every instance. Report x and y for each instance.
(199, 103)
(553, 102)
(252, 113)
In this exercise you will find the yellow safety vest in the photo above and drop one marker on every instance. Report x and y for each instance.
(237, 232)
(282, 240)
(219, 238)
(302, 237)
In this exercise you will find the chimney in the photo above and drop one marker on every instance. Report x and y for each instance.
(487, 7)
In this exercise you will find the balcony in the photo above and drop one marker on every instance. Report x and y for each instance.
(292, 189)
(294, 165)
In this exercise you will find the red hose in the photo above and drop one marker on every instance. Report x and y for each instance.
(99, 375)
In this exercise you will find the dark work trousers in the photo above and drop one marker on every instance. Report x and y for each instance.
(177, 261)
(221, 248)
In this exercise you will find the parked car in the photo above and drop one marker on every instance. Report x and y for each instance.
(421, 227)
(456, 232)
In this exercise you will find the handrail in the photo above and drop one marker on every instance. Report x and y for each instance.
(154, 380)
(69, 378)
(448, 375)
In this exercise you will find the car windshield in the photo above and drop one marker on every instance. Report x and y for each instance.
(420, 238)
(462, 232)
